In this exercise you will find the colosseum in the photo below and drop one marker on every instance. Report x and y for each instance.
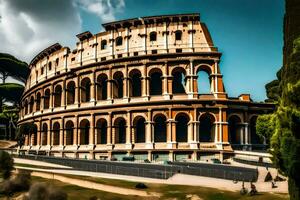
(134, 90)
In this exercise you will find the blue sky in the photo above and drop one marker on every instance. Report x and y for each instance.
(247, 32)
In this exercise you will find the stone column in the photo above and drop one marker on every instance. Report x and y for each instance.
(166, 78)
(171, 133)
(66, 53)
(75, 132)
(191, 32)
(80, 50)
(63, 95)
(111, 40)
(128, 131)
(51, 98)
(77, 91)
(165, 34)
(93, 92)
(61, 132)
(49, 133)
(149, 130)
(92, 131)
(109, 130)
(126, 84)
(246, 126)
(109, 85)
(38, 137)
(95, 44)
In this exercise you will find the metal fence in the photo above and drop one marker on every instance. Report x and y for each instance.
(153, 170)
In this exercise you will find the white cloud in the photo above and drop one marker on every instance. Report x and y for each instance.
(27, 27)
(104, 9)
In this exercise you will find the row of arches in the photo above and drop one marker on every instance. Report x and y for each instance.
(117, 87)
(119, 128)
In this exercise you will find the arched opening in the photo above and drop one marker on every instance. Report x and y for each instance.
(119, 41)
(153, 36)
(178, 35)
(101, 131)
(155, 83)
(44, 134)
(84, 131)
(135, 83)
(103, 44)
(160, 128)
(85, 90)
(57, 96)
(33, 136)
(203, 82)
(255, 139)
(118, 85)
(71, 93)
(235, 129)
(120, 131)
(69, 133)
(50, 66)
(102, 87)
(178, 83)
(26, 107)
(38, 101)
(55, 133)
(46, 99)
(182, 121)
(31, 103)
(207, 128)
(139, 129)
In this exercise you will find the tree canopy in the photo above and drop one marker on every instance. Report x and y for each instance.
(11, 92)
(13, 67)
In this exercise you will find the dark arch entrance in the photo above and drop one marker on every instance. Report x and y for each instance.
(85, 90)
(178, 83)
(69, 133)
(160, 128)
(182, 121)
(57, 96)
(55, 133)
(120, 131)
(44, 134)
(234, 128)
(139, 130)
(84, 132)
(71, 93)
(156, 83)
(38, 101)
(135, 83)
(118, 85)
(46, 99)
(206, 129)
(101, 131)
(102, 87)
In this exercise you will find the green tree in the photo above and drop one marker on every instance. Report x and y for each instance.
(283, 127)
(6, 164)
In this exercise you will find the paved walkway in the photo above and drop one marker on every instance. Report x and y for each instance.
(179, 179)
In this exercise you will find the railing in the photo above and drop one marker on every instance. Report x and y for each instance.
(153, 170)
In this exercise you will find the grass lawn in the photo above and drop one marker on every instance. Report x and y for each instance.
(168, 191)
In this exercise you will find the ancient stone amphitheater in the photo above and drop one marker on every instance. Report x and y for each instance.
(135, 90)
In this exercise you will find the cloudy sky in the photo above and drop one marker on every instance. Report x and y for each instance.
(247, 32)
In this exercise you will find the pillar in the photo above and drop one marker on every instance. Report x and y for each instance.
(75, 132)
(38, 137)
(149, 130)
(77, 91)
(93, 92)
(92, 131)
(167, 87)
(63, 95)
(61, 132)
(126, 84)
(246, 126)
(50, 98)
(109, 129)
(128, 131)
(109, 85)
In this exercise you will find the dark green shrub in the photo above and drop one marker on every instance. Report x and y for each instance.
(6, 164)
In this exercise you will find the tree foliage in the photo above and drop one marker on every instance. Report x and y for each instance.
(13, 67)
(11, 92)
(285, 131)
(6, 164)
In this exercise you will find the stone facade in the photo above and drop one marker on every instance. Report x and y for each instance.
(133, 90)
